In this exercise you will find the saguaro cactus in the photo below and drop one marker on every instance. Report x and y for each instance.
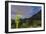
(17, 20)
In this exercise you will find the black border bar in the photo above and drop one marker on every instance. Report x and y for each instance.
(6, 16)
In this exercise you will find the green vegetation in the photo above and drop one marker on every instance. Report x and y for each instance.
(17, 20)
(34, 21)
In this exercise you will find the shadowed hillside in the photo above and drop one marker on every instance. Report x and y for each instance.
(34, 21)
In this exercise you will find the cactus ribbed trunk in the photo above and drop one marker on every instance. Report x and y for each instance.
(17, 20)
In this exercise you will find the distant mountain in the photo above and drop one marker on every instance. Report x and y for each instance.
(36, 16)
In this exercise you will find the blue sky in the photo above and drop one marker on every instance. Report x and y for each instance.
(24, 11)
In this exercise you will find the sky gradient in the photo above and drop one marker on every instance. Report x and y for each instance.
(24, 11)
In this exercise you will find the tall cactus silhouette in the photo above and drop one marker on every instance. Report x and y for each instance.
(17, 20)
